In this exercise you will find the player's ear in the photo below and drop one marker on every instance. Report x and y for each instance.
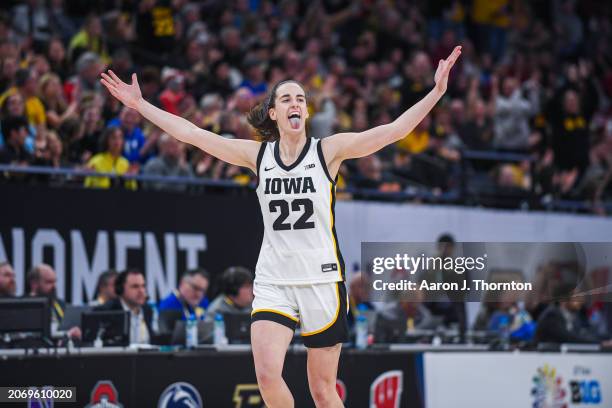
(272, 113)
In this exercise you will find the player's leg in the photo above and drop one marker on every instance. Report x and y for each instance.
(322, 374)
(323, 309)
(274, 320)
(270, 341)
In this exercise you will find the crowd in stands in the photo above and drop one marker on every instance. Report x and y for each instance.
(535, 77)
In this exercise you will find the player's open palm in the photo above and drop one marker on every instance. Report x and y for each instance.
(444, 67)
(128, 94)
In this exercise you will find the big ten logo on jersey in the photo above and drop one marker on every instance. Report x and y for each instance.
(247, 396)
(293, 185)
(386, 390)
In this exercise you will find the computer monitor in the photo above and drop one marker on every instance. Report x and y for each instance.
(72, 316)
(113, 327)
(389, 330)
(238, 327)
(25, 315)
(205, 332)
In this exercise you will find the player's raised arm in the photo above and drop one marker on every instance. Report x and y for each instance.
(238, 152)
(343, 146)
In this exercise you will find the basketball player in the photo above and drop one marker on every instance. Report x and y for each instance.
(299, 276)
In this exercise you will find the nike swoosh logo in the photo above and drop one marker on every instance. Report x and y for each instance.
(266, 169)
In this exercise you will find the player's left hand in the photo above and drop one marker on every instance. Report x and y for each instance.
(444, 67)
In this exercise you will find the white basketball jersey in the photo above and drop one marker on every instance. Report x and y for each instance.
(297, 203)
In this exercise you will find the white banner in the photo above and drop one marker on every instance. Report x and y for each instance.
(515, 380)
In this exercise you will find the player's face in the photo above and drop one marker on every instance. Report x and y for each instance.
(290, 111)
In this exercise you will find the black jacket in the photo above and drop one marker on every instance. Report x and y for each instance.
(552, 328)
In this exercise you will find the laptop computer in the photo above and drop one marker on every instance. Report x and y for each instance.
(238, 327)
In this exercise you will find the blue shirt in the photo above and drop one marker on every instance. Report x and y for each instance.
(256, 89)
(133, 142)
(172, 302)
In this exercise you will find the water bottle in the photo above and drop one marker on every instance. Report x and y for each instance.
(155, 318)
(361, 332)
(191, 335)
(219, 330)
(98, 343)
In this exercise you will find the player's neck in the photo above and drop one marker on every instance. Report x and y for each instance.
(290, 146)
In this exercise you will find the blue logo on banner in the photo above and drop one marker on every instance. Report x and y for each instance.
(180, 395)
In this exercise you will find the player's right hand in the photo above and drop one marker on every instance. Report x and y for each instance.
(129, 95)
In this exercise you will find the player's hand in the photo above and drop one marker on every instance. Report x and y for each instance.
(129, 95)
(444, 67)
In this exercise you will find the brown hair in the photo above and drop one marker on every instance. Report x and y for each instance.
(259, 117)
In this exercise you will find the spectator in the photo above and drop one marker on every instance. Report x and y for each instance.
(188, 300)
(236, 293)
(156, 30)
(409, 308)
(88, 68)
(477, 132)
(417, 141)
(14, 106)
(131, 290)
(512, 113)
(371, 175)
(571, 135)
(51, 94)
(105, 288)
(89, 38)
(15, 131)
(8, 286)
(358, 298)
(49, 153)
(170, 162)
(26, 85)
(137, 148)
(42, 281)
(82, 137)
(150, 85)
(446, 304)
(56, 55)
(254, 80)
(174, 92)
(31, 21)
(109, 160)
(561, 322)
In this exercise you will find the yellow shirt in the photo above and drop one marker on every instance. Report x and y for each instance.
(34, 108)
(493, 12)
(95, 44)
(415, 142)
(35, 111)
(105, 163)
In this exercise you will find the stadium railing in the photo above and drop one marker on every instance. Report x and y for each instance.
(468, 193)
